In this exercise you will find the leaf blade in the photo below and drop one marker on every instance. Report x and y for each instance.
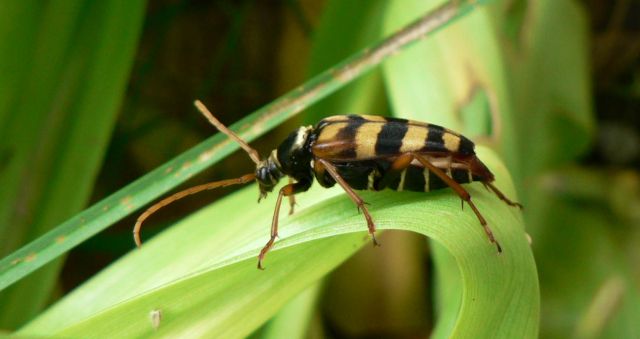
(318, 238)
(59, 119)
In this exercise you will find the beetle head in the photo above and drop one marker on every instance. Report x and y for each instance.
(268, 174)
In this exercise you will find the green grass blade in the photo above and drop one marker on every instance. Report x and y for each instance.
(176, 171)
(336, 28)
(66, 81)
(597, 245)
(292, 321)
(552, 85)
(201, 274)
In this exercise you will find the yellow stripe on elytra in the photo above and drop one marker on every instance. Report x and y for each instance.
(330, 132)
(451, 141)
(414, 139)
(366, 138)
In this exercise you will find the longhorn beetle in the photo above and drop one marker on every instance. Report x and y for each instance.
(359, 152)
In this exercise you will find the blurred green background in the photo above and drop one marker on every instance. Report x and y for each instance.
(95, 94)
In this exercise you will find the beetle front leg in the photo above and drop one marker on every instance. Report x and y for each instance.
(292, 199)
(288, 190)
(354, 197)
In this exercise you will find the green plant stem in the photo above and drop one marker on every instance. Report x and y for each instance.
(149, 187)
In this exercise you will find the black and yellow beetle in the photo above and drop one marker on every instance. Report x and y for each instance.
(359, 152)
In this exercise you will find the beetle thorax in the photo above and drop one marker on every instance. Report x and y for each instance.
(291, 158)
(293, 155)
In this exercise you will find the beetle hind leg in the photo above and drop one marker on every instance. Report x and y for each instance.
(501, 195)
(462, 193)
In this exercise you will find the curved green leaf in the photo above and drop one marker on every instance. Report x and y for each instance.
(201, 274)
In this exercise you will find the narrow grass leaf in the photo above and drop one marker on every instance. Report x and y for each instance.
(71, 72)
(351, 25)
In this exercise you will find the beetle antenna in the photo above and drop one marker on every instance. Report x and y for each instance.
(253, 154)
(177, 196)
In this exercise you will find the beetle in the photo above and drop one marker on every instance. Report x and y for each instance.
(358, 152)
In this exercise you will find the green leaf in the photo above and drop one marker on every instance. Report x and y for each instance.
(201, 274)
(292, 321)
(550, 82)
(366, 94)
(597, 245)
(64, 66)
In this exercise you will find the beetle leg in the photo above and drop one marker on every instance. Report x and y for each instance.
(464, 195)
(288, 190)
(501, 195)
(292, 199)
(184, 193)
(354, 197)
(450, 175)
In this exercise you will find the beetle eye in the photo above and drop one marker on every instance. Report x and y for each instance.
(263, 175)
